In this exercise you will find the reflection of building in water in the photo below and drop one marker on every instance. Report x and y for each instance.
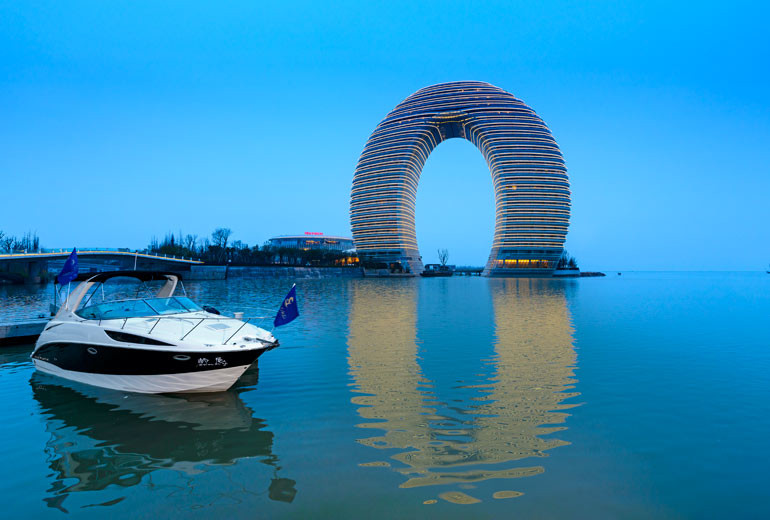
(102, 438)
(534, 361)
(519, 403)
(382, 357)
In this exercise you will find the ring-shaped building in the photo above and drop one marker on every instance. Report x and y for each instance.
(532, 197)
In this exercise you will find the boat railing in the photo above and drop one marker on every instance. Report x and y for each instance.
(197, 320)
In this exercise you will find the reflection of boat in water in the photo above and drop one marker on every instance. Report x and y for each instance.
(454, 438)
(102, 438)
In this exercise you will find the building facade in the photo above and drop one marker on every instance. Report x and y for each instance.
(310, 240)
(532, 197)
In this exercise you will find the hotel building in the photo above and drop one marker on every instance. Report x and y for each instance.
(532, 197)
(310, 240)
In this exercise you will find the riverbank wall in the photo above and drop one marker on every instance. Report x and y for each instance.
(222, 272)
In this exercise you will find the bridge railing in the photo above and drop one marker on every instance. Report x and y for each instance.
(45, 252)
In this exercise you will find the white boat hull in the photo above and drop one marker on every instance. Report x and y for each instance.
(217, 380)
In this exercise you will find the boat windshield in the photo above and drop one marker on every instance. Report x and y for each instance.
(138, 308)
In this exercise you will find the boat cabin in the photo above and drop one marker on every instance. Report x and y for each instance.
(163, 302)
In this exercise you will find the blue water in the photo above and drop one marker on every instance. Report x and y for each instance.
(636, 396)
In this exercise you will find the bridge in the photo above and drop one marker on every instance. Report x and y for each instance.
(34, 267)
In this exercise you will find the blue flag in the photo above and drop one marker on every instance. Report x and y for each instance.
(289, 309)
(70, 270)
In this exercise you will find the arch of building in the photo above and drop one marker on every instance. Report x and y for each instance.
(532, 197)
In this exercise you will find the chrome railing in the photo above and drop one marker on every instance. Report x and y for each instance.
(195, 321)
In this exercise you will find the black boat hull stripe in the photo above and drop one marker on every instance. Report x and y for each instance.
(79, 357)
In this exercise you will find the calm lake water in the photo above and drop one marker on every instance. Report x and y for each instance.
(644, 395)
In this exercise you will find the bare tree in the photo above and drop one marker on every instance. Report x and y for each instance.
(443, 256)
(220, 236)
(190, 242)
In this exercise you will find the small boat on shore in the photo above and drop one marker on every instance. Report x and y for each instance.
(432, 270)
(162, 344)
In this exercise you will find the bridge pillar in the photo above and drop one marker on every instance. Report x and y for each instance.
(31, 271)
(37, 271)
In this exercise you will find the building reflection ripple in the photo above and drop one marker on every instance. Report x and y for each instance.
(106, 440)
(442, 435)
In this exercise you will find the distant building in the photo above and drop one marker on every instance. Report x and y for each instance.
(310, 240)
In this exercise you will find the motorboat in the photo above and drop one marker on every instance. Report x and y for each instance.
(165, 343)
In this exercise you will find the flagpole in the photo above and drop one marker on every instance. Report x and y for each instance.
(68, 273)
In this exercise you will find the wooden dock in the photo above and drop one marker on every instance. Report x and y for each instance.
(21, 332)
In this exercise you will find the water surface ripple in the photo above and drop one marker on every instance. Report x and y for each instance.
(637, 396)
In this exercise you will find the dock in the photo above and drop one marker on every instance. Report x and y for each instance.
(469, 271)
(21, 332)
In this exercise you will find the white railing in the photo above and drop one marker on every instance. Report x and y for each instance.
(190, 320)
(43, 253)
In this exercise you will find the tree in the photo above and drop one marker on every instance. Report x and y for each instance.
(190, 242)
(443, 256)
(222, 250)
(220, 236)
(567, 261)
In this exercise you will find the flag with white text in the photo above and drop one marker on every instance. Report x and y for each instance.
(289, 308)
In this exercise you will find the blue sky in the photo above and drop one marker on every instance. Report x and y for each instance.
(124, 120)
